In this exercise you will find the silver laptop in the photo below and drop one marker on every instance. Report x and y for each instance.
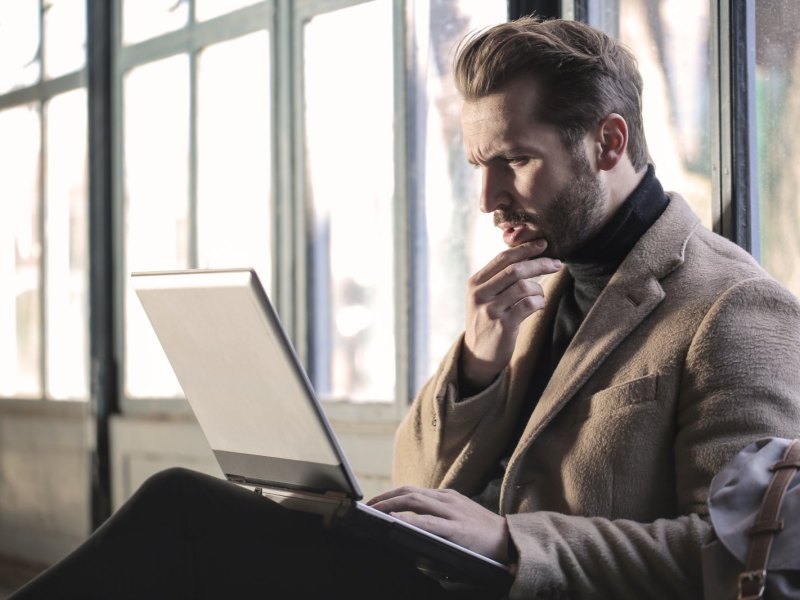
(261, 417)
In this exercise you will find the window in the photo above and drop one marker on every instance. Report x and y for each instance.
(454, 239)
(349, 142)
(671, 41)
(43, 213)
(195, 139)
(778, 118)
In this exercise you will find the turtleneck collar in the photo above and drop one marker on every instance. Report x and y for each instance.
(615, 240)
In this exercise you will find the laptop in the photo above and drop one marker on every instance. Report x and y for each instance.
(262, 419)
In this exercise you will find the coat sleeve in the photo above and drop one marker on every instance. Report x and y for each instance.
(436, 438)
(740, 382)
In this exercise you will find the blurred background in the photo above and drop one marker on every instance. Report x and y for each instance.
(319, 142)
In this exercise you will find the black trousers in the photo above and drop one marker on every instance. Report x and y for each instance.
(187, 535)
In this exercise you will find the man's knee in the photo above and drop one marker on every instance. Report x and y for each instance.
(170, 485)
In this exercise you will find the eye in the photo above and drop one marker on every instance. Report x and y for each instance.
(518, 161)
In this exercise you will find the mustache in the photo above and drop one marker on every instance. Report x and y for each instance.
(512, 217)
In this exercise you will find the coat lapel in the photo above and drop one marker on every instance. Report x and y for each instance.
(632, 293)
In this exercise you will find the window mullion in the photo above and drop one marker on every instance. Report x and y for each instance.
(736, 179)
(192, 216)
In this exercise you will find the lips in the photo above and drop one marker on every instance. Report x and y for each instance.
(515, 234)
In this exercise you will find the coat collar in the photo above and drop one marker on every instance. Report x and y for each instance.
(631, 294)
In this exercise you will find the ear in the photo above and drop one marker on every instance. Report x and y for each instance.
(612, 141)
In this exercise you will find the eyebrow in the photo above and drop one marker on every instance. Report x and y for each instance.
(508, 154)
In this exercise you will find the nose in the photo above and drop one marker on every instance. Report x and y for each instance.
(494, 195)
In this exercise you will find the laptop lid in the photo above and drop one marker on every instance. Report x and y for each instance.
(243, 380)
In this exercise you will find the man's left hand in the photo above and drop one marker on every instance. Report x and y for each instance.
(449, 515)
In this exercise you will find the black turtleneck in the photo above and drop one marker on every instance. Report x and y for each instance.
(591, 268)
(594, 264)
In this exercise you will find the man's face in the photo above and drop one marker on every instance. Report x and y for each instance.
(534, 184)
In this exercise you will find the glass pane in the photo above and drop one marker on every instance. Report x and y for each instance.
(778, 119)
(20, 253)
(233, 155)
(458, 238)
(156, 162)
(144, 19)
(671, 42)
(208, 9)
(65, 36)
(19, 44)
(67, 248)
(349, 119)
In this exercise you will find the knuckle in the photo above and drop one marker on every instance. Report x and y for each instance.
(512, 270)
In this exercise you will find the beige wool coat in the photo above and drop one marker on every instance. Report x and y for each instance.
(690, 353)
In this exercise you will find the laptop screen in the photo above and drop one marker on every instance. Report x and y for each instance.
(242, 379)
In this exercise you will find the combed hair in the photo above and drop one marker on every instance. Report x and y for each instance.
(585, 75)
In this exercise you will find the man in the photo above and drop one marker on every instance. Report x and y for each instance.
(589, 413)
(573, 430)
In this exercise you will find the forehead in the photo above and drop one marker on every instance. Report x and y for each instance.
(506, 118)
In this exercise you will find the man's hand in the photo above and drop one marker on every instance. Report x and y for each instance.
(499, 298)
(449, 515)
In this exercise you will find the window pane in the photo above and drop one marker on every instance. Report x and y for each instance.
(459, 239)
(156, 162)
(65, 36)
(208, 9)
(20, 253)
(19, 43)
(233, 155)
(67, 252)
(144, 19)
(349, 119)
(778, 119)
(671, 43)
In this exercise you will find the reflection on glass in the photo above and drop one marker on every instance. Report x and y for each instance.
(778, 119)
(156, 162)
(233, 155)
(67, 252)
(19, 43)
(65, 36)
(20, 253)
(671, 42)
(144, 19)
(348, 120)
(458, 238)
(208, 9)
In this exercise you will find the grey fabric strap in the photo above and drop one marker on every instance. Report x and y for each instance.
(752, 581)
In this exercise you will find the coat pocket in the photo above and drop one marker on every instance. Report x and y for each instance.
(624, 439)
(620, 397)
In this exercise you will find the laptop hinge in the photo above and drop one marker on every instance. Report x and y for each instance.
(336, 495)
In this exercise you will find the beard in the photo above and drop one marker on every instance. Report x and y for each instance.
(572, 217)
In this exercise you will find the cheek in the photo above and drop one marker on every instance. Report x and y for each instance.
(535, 188)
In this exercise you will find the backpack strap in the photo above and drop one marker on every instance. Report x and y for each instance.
(752, 581)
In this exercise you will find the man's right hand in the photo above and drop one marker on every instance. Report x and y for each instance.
(499, 298)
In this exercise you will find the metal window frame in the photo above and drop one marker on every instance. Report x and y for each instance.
(734, 148)
(548, 9)
(104, 366)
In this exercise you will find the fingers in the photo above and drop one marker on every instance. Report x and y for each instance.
(514, 273)
(414, 499)
(444, 528)
(508, 257)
